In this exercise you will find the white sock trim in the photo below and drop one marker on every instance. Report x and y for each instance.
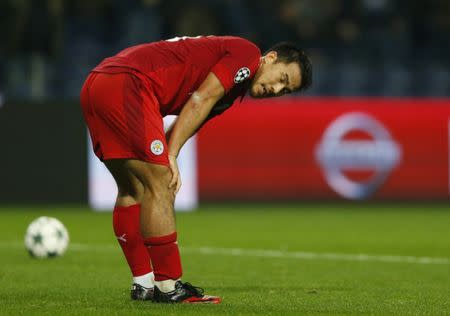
(146, 280)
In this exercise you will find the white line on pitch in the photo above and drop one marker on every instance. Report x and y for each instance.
(314, 255)
(264, 253)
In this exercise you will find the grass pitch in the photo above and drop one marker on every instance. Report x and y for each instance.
(301, 259)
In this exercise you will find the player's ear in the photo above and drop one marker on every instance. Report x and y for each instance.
(271, 57)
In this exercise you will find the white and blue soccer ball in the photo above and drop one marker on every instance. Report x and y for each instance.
(46, 237)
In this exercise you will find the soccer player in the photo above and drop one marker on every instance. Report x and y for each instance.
(124, 100)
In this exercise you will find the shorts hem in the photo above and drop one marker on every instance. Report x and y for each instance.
(133, 156)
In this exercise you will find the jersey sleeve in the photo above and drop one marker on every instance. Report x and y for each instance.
(240, 62)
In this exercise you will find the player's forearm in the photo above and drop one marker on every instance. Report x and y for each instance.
(195, 112)
(190, 119)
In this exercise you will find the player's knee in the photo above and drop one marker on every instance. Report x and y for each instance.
(133, 190)
(129, 186)
(157, 179)
(154, 178)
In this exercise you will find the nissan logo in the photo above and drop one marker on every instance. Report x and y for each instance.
(335, 154)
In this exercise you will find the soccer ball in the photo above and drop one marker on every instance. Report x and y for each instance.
(46, 237)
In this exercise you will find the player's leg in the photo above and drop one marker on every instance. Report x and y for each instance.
(129, 189)
(104, 105)
(158, 218)
(126, 224)
(159, 232)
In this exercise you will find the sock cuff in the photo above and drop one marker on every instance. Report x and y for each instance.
(161, 240)
(131, 208)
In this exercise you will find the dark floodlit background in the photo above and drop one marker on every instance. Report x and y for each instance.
(394, 55)
(359, 47)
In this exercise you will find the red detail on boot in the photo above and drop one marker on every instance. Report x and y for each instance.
(126, 223)
(165, 256)
(204, 299)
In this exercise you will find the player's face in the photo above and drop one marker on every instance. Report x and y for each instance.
(275, 78)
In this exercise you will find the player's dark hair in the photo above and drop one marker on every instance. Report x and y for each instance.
(287, 53)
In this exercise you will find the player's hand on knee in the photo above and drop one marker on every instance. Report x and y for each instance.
(175, 182)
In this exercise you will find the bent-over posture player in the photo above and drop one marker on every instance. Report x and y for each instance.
(124, 100)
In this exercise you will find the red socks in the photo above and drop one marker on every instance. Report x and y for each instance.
(126, 223)
(165, 256)
(163, 250)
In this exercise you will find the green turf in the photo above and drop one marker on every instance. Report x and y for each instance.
(93, 279)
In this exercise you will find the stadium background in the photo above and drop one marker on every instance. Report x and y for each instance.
(344, 191)
(372, 49)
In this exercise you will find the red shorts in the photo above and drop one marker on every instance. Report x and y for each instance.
(123, 117)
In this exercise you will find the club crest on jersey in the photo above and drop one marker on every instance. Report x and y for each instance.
(157, 147)
(241, 75)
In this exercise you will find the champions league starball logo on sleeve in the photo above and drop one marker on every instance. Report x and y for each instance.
(338, 154)
(241, 75)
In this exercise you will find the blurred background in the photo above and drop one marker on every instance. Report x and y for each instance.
(359, 47)
(391, 56)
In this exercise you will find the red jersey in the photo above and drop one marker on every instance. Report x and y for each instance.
(177, 67)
